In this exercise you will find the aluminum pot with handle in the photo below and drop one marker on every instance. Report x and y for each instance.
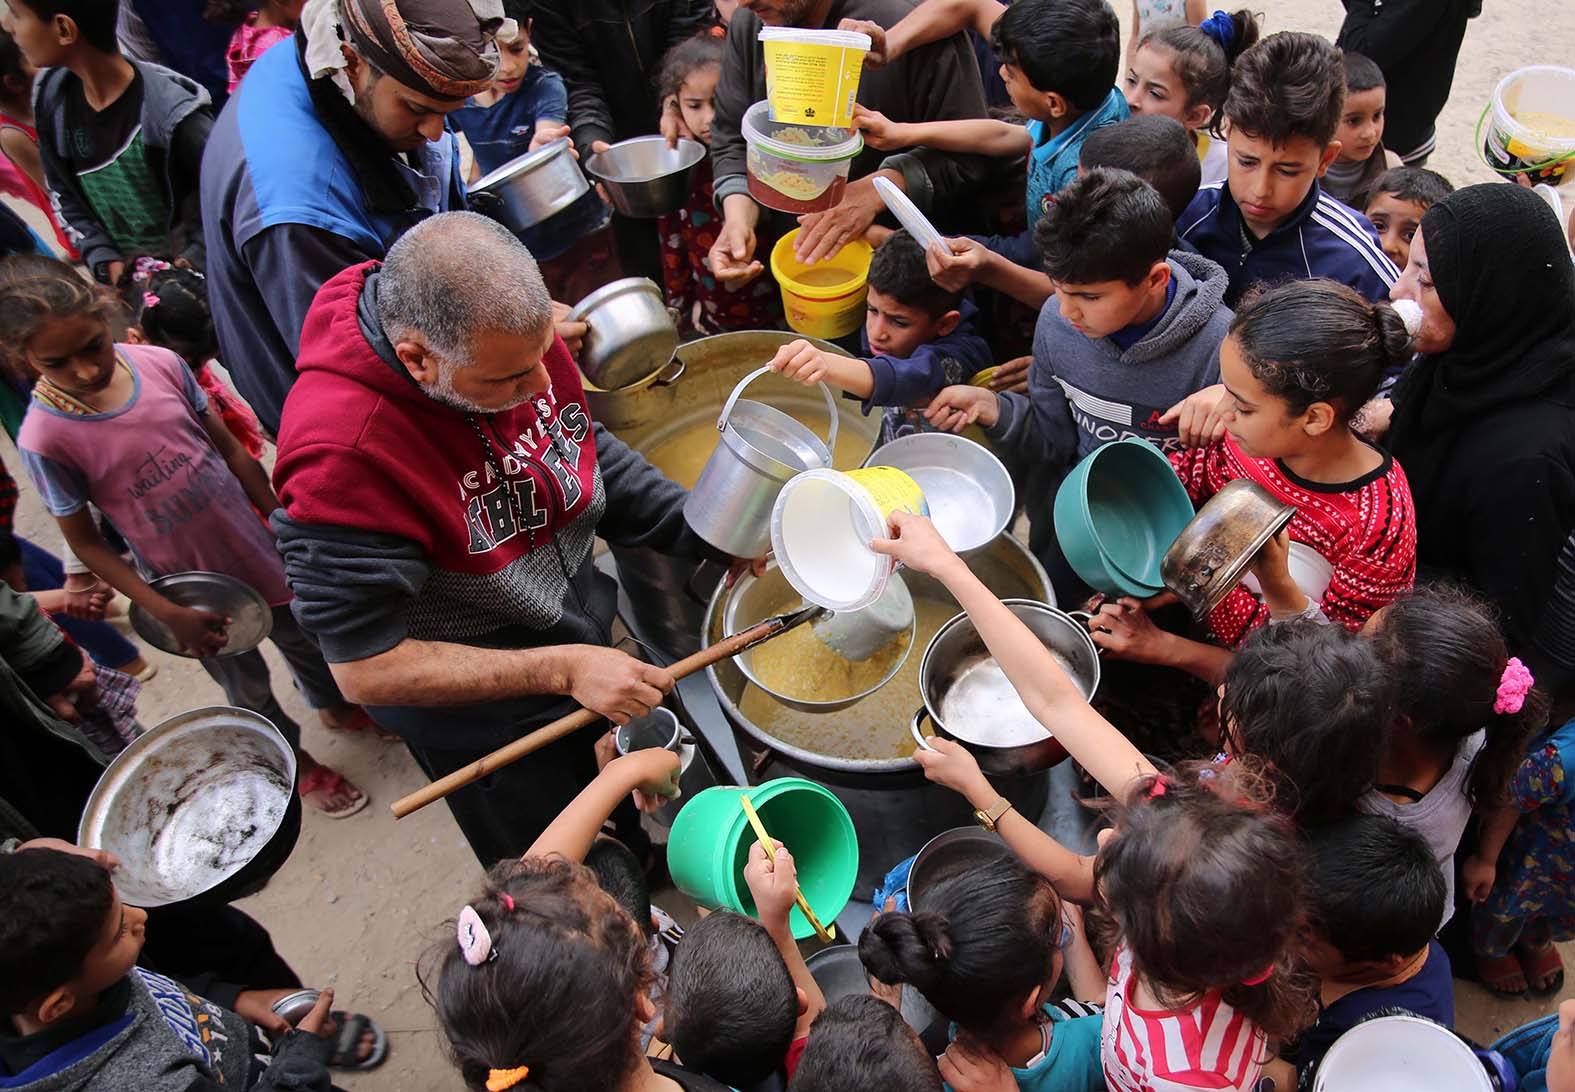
(630, 336)
(535, 186)
(762, 448)
(967, 697)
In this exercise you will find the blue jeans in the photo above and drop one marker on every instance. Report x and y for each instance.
(100, 640)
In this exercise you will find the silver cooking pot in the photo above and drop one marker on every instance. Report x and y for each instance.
(630, 335)
(536, 185)
(968, 698)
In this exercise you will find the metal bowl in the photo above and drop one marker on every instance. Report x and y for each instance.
(631, 336)
(948, 854)
(251, 618)
(1212, 553)
(754, 598)
(200, 805)
(536, 185)
(840, 973)
(643, 177)
(968, 491)
(969, 699)
(293, 1007)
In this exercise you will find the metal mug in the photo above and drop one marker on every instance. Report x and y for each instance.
(661, 729)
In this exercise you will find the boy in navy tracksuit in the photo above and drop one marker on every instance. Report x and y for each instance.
(1270, 220)
(918, 338)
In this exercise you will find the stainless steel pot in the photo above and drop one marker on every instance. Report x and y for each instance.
(535, 185)
(761, 450)
(947, 854)
(643, 177)
(1212, 553)
(630, 334)
(202, 805)
(895, 810)
(839, 973)
(967, 696)
(667, 596)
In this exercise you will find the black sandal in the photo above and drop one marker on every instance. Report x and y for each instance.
(346, 1051)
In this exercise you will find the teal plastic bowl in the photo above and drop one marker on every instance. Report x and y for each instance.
(1117, 513)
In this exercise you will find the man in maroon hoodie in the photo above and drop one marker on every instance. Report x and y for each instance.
(443, 483)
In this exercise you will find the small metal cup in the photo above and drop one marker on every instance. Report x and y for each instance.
(658, 728)
(293, 1007)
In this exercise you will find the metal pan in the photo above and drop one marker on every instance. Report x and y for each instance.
(251, 619)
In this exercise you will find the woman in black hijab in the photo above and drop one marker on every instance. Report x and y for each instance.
(1484, 419)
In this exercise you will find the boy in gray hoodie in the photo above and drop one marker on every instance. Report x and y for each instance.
(1133, 328)
(80, 1016)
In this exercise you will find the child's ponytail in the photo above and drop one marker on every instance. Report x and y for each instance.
(1453, 677)
(987, 938)
(1202, 56)
(1203, 882)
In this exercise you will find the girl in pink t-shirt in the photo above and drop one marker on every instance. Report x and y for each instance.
(1200, 881)
(271, 23)
(127, 428)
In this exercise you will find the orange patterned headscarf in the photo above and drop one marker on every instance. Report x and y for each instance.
(442, 48)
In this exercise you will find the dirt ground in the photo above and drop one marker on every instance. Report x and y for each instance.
(361, 898)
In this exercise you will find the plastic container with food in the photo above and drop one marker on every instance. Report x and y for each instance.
(812, 76)
(797, 168)
(1531, 124)
(824, 300)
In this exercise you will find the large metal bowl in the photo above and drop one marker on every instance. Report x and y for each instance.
(251, 619)
(631, 335)
(1212, 553)
(948, 854)
(536, 185)
(204, 804)
(840, 973)
(968, 698)
(968, 491)
(753, 599)
(643, 177)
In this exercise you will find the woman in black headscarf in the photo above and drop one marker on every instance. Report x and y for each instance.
(1484, 419)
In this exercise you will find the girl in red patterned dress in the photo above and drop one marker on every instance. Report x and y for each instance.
(1300, 360)
(705, 305)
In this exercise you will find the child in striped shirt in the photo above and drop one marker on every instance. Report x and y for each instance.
(1201, 881)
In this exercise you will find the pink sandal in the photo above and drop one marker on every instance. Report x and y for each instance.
(324, 779)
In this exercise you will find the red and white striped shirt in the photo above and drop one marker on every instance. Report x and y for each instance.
(1209, 1045)
(1365, 529)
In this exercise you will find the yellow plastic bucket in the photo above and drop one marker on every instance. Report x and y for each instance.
(821, 529)
(812, 76)
(824, 300)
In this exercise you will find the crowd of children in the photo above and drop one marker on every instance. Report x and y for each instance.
(1374, 795)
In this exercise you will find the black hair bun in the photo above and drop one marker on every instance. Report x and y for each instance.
(1392, 334)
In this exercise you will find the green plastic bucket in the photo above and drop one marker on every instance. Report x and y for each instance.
(711, 836)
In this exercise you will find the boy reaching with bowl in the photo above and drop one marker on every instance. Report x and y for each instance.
(918, 338)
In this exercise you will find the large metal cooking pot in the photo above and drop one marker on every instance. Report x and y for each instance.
(894, 809)
(536, 185)
(968, 698)
(202, 806)
(667, 596)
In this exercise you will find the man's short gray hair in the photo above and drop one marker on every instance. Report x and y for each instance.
(454, 275)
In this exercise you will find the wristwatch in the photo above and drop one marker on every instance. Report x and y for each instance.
(990, 816)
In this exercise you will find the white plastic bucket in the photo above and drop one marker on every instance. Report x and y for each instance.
(1531, 127)
(821, 529)
(1394, 1053)
(812, 76)
(797, 168)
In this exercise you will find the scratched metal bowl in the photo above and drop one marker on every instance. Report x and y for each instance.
(251, 619)
(201, 806)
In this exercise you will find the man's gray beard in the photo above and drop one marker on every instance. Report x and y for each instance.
(442, 390)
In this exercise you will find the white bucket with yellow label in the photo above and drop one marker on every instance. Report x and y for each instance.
(821, 529)
(812, 76)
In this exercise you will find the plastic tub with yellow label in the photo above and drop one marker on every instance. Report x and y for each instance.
(821, 529)
(812, 76)
(824, 300)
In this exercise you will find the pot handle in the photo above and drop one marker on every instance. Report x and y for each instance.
(921, 714)
(691, 591)
(671, 374)
(831, 405)
(1085, 617)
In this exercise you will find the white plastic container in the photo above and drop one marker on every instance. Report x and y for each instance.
(797, 168)
(1394, 1053)
(821, 529)
(812, 76)
(1515, 142)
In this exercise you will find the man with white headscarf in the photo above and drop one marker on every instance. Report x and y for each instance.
(332, 147)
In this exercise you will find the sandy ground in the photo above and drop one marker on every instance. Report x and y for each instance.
(361, 898)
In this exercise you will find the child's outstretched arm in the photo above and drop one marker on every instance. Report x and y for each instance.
(247, 470)
(964, 136)
(929, 22)
(654, 772)
(804, 363)
(1048, 692)
(771, 884)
